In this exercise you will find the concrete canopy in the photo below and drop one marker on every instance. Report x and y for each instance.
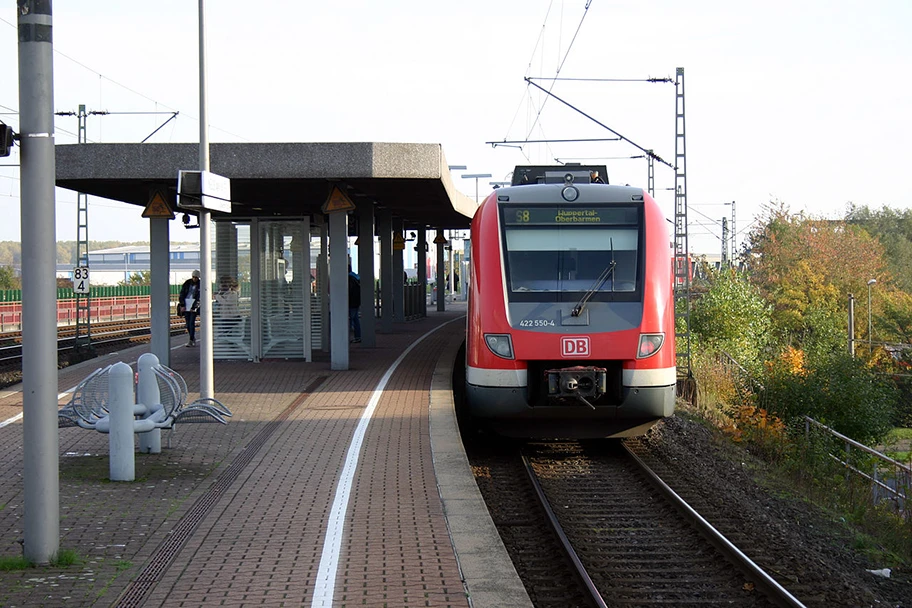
(278, 179)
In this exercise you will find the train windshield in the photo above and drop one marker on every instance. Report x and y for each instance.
(571, 250)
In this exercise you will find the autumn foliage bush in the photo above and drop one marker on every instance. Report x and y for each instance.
(838, 390)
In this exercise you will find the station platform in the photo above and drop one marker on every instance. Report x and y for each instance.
(320, 491)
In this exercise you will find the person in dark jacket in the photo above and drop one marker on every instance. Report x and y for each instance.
(188, 304)
(354, 304)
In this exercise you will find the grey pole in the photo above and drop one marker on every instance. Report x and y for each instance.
(207, 381)
(422, 268)
(323, 273)
(852, 325)
(338, 290)
(452, 278)
(41, 508)
(159, 230)
(441, 272)
(398, 275)
(870, 343)
(385, 230)
(366, 271)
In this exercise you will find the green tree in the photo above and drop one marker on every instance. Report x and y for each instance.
(894, 230)
(139, 278)
(8, 278)
(806, 268)
(836, 389)
(732, 316)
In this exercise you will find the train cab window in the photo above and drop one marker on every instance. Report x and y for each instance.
(546, 259)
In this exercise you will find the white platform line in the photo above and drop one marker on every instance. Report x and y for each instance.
(324, 586)
(18, 416)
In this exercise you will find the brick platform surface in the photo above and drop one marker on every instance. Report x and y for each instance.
(237, 514)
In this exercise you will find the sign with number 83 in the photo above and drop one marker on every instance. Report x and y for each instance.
(80, 280)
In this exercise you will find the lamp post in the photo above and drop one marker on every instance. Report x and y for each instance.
(870, 344)
(476, 177)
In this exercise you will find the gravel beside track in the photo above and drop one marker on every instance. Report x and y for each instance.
(803, 549)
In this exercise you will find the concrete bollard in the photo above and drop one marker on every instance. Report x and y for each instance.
(147, 393)
(120, 435)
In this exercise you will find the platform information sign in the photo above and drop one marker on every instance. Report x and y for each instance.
(81, 280)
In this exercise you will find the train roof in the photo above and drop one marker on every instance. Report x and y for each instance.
(556, 174)
(588, 194)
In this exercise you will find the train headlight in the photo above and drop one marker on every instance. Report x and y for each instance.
(649, 345)
(500, 344)
(570, 193)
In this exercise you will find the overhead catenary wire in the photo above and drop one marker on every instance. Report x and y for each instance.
(559, 67)
(603, 125)
(649, 79)
(126, 88)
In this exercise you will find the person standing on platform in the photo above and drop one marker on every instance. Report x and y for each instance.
(354, 304)
(188, 304)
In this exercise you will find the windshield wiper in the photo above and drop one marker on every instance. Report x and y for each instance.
(608, 272)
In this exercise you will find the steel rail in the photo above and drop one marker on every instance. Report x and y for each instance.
(775, 592)
(576, 565)
(65, 343)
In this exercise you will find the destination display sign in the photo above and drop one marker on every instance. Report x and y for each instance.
(569, 215)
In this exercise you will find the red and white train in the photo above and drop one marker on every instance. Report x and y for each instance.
(571, 325)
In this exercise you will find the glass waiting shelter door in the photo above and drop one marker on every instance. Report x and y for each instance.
(261, 307)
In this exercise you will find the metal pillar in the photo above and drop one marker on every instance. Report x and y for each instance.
(385, 230)
(440, 243)
(41, 509)
(422, 268)
(650, 173)
(207, 379)
(452, 279)
(852, 325)
(724, 243)
(398, 275)
(323, 282)
(160, 297)
(366, 272)
(682, 265)
(338, 289)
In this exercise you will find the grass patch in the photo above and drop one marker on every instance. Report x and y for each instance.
(898, 434)
(17, 562)
(122, 565)
(65, 557)
(903, 457)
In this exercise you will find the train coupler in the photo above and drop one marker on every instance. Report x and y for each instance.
(581, 383)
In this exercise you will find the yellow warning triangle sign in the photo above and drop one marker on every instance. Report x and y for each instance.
(337, 201)
(158, 207)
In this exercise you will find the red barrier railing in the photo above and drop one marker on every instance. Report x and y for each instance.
(115, 308)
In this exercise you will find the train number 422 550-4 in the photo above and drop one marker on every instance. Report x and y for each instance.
(537, 323)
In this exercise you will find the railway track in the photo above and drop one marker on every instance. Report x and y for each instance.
(628, 542)
(105, 336)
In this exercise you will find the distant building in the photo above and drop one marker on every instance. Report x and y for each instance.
(116, 265)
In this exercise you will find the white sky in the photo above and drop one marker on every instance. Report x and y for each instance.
(805, 102)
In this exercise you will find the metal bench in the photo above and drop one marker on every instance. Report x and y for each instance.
(174, 399)
(88, 407)
(88, 403)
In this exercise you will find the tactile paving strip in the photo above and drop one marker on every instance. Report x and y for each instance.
(168, 550)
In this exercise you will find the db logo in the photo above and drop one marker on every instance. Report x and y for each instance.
(575, 346)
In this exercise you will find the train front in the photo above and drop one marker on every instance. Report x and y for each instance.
(571, 312)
